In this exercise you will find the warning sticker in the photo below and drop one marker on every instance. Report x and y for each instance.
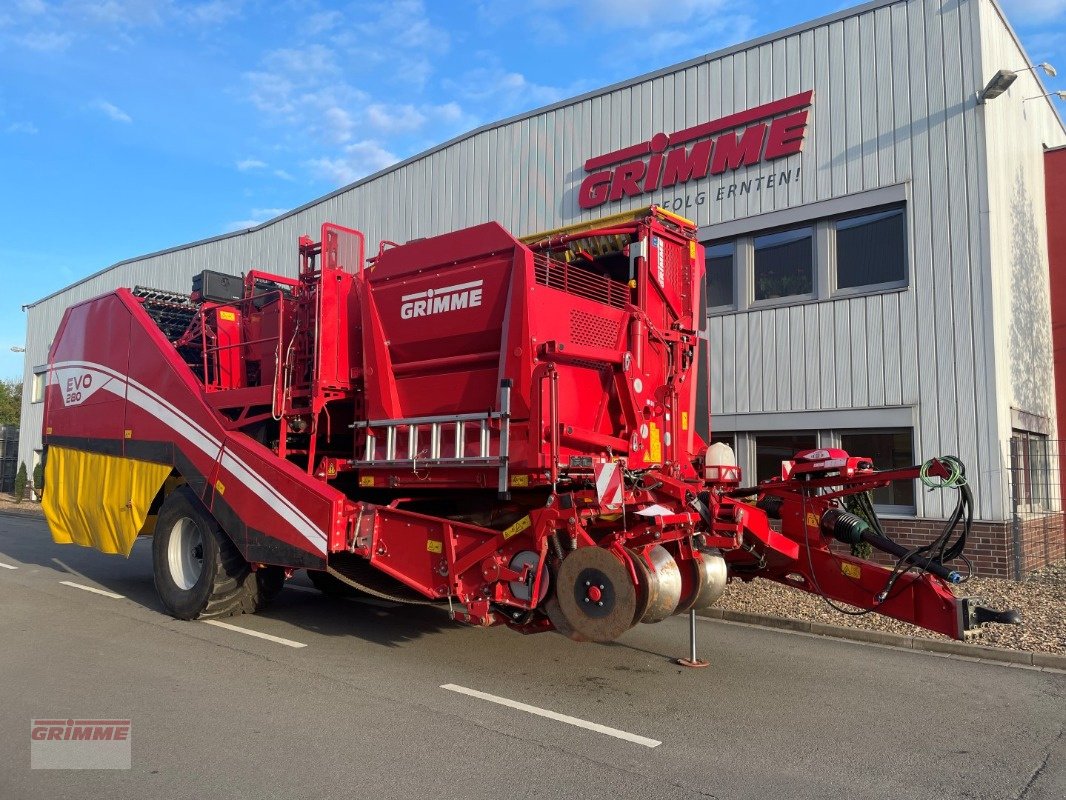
(433, 546)
(851, 570)
(366, 480)
(518, 527)
(519, 480)
(228, 316)
(655, 445)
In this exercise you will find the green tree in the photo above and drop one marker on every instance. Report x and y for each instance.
(10, 401)
(20, 483)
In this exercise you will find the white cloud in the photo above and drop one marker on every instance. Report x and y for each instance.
(250, 163)
(32, 7)
(320, 22)
(47, 41)
(357, 161)
(120, 13)
(215, 12)
(280, 173)
(339, 124)
(113, 111)
(22, 127)
(389, 118)
(258, 217)
(1033, 12)
(505, 90)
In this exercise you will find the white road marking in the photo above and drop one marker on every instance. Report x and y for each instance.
(541, 712)
(71, 570)
(7, 566)
(256, 634)
(93, 589)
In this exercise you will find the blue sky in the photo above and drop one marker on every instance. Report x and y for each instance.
(128, 126)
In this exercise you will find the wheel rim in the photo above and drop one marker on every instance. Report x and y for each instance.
(185, 553)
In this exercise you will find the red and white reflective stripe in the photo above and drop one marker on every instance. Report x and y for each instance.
(608, 484)
(188, 429)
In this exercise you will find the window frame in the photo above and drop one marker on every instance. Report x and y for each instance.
(734, 303)
(886, 509)
(868, 288)
(790, 299)
(822, 216)
(39, 380)
(1021, 464)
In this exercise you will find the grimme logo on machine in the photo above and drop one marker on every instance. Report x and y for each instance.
(764, 133)
(437, 301)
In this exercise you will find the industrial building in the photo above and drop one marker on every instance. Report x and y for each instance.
(870, 187)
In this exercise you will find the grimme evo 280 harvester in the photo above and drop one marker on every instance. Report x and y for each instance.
(504, 427)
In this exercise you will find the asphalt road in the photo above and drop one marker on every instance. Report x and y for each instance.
(360, 712)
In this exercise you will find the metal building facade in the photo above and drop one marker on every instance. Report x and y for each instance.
(895, 119)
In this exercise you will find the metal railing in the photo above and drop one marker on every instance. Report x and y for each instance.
(1035, 479)
(446, 440)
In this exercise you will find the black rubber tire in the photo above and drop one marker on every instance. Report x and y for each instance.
(269, 581)
(331, 586)
(226, 585)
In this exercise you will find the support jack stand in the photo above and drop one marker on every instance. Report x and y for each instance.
(692, 661)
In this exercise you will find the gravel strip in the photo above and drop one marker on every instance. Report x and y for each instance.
(28, 507)
(1040, 599)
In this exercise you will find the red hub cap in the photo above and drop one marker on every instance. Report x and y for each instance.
(594, 594)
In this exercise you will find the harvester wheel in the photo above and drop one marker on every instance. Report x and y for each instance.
(198, 571)
(595, 600)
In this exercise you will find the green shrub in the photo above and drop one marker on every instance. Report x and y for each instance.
(38, 479)
(20, 483)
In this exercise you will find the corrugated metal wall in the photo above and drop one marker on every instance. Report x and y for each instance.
(894, 89)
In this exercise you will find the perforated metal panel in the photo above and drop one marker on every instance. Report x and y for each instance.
(591, 330)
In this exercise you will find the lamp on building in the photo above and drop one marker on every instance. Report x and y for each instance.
(16, 349)
(1000, 82)
(1049, 70)
(1061, 94)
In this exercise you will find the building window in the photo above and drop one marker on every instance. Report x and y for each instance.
(773, 448)
(40, 375)
(721, 268)
(871, 249)
(784, 264)
(1031, 470)
(889, 449)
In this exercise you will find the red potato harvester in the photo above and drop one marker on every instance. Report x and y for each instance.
(506, 427)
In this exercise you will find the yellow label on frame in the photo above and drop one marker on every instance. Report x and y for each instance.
(433, 546)
(684, 420)
(518, 527)
(851, 570)
(655, 445)
(220, 487)
(519, 480)
(812, 520)
(228, 316)
(366, 480)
